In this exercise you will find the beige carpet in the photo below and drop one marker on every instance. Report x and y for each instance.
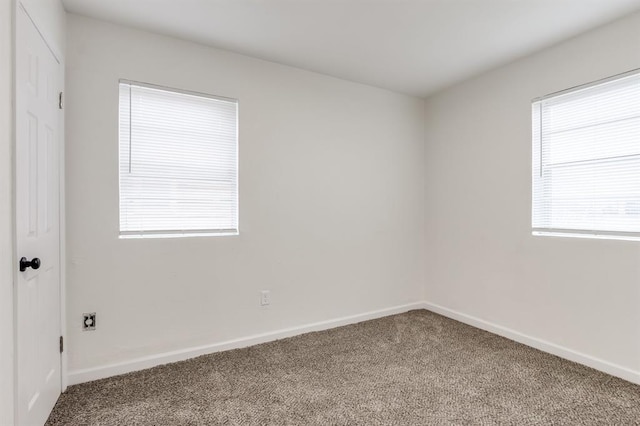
(417, 368)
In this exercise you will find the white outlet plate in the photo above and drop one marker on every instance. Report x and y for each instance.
(265, 297)
(89, 321)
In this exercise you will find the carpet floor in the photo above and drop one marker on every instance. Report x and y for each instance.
(417, 368)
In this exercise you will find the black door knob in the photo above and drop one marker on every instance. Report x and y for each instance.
(24, 264)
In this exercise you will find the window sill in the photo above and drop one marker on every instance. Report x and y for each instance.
(177, 235)
(594, 236)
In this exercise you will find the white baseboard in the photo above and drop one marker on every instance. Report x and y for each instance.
(90, 374)
(552, 348)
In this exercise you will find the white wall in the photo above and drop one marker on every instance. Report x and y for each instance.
(6, 211)
(331, 202)
(481, 258)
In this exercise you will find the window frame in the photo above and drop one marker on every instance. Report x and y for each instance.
(181, 233)
(536, 163)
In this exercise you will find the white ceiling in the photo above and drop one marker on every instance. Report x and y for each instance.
(410, 46)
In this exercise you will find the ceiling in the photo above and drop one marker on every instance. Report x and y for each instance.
(411, 46)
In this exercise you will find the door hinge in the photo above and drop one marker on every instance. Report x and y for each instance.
(60, 101)
(61, 344)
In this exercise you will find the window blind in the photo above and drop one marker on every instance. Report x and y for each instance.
(178, 162)
(586, 160)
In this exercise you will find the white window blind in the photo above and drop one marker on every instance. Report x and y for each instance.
(178, 162)
(586, 160)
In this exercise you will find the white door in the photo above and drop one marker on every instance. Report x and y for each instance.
(38, 124)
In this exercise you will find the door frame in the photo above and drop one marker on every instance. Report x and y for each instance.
(20, 7)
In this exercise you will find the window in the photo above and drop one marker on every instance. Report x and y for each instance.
(586, 160)
(178, 163)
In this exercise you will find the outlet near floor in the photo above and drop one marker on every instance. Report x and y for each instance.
(89, 321)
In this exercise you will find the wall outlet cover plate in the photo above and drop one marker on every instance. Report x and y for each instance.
(89, 321)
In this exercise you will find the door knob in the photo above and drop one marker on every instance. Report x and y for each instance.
(24, 264)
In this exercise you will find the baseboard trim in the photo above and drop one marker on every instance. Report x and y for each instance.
(87, 375)
(543, 345)
(96, 373)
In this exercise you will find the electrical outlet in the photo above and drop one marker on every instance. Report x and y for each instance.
(89, 321)
(265, 297)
